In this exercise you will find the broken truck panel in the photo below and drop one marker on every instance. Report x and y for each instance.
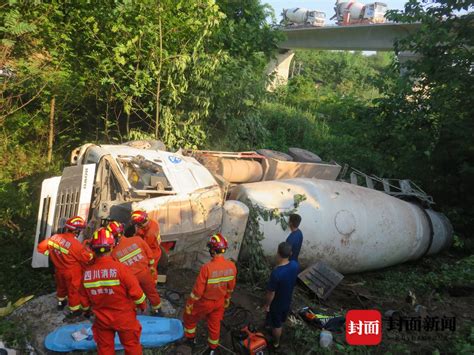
(349, 227)
(234, 223)
(187, 219)
(74, 194)
(61, 198)
(49, 193)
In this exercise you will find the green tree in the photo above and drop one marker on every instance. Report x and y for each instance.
(249, 41)
(426, 121)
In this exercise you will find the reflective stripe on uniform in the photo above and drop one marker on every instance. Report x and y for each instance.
(141, 299)
(190, 331)
(213, 342)
(220, 279)
(152, 261)
(194, 297)
(46, 252)
(75, 308)
(102, 283)
(130, 255)
(85, 308)
(60, 299)
(58, 247)
(158, 306)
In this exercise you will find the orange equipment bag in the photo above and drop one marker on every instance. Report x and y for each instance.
(250, 341)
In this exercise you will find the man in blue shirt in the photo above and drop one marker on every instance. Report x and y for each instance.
(280, 291)
(296, 237)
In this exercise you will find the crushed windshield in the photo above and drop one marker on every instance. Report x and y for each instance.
(144, 174)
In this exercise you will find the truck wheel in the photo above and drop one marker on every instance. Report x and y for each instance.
(147, 144)
(274, 154)
(304, 156)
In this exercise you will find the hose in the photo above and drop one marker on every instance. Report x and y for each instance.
(236, 317)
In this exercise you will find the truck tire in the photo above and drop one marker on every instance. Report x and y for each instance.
(274, 154)
(146, 144)
(304, 156)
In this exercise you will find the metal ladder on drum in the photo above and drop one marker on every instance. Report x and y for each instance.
(400, 188)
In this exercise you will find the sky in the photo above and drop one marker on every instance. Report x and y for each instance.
(326, 6)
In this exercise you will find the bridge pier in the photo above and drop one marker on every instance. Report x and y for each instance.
(279, 69)
(403, 58)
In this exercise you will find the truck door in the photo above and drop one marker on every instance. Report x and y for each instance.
(61, 198)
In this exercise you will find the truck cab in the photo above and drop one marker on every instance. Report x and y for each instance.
(109, 181)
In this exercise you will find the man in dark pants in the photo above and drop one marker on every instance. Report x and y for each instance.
(280, 291)
(296, 236)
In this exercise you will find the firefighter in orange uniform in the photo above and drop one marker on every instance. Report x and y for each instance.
(68, 256)
(211, 293)
(149, 230)
(137, 255)
(113, 293)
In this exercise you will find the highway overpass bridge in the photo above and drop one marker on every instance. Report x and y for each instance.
(367, 37)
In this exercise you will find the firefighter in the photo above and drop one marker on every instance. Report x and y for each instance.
(68, 256)
(113, 293)
(149, 230)
(211, 293)
(137, 255)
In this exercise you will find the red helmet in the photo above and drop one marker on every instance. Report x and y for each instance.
(116, 228)
(103, 240)
(75, 223)
(139, 217)
(217, 243)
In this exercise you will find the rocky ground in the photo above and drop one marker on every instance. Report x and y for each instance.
(422, 290)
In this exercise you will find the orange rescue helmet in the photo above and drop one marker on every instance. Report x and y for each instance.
(139, 217)
(75, 224)
(217, 243)
(102, 241)
(116, 228)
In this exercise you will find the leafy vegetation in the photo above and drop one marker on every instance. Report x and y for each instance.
(253, 265)
(12, 334)
(427, 116)
(429, 274)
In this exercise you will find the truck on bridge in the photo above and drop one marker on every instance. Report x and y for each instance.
(354, 12)
(347, 12)
(300, 16)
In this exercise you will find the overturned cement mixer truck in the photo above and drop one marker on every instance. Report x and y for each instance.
(194, 193)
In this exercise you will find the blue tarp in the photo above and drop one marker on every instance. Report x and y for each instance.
(156, 332)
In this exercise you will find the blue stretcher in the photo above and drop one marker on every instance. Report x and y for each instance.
(156, 332)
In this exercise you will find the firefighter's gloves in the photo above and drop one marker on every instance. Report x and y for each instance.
(87, 314)
(227, 303)
(189, 306)
(142, 306)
